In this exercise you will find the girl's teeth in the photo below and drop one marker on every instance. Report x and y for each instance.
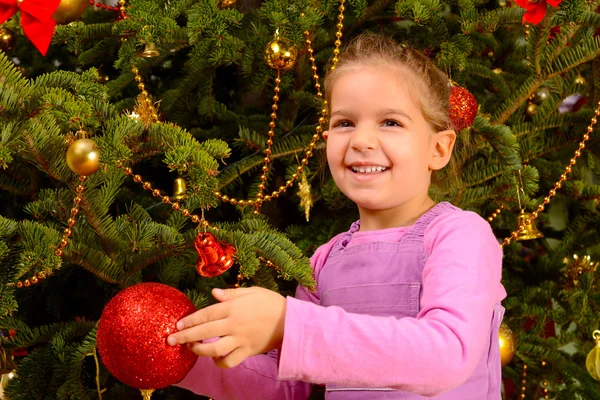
(367, 170)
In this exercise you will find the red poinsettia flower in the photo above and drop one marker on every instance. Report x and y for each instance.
(535, 11)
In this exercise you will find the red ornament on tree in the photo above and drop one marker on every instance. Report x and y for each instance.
(463, 108)
(214, 257)
(36, 19)
(535, 11)
(132, 336)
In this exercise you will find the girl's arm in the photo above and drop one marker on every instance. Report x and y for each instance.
(430, 354)
(256, 377)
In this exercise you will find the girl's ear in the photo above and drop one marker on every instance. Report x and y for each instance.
(325, 135)
(442, 145)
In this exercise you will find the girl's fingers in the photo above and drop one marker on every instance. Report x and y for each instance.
(207, 314)
(232, 359)
(208, 330)
(220, 348)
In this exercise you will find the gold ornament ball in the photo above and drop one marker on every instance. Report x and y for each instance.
(531, 109)
(592, 363)
(507, 342)
(83, 157)
(281, 54)
(69, 11)
(540, 95)
(580, 80)
(7, 39)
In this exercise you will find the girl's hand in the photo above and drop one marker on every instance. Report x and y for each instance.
(249, 321)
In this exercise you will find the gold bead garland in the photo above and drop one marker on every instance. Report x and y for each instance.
(523, 381)
(268, 150)
(495, 214)
(64, 241)
(545, 383)
(176, 206)
(269, 264)
(558, 184)
(338, 34)
(261, 197)
(31, 281)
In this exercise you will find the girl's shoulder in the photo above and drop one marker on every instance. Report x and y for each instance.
(462, 227)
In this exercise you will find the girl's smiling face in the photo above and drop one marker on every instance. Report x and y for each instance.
(380, 148)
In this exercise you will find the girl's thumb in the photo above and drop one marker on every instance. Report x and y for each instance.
(222, 295)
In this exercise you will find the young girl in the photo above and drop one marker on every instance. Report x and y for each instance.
(408, 300)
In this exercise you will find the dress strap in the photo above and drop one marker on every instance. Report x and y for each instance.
(344, 239)
(416, 232)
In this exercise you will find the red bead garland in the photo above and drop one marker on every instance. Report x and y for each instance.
(103, 6)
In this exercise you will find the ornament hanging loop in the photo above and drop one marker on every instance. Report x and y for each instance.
(520, 189)
(147, 393)
(596, 336)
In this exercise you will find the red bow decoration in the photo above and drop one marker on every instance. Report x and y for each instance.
(535, 11)
(36, 19)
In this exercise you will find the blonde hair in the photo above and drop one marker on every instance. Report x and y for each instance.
(430, 89)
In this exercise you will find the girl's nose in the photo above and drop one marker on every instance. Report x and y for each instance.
(364, 139)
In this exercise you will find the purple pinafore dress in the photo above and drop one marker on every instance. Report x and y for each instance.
(385, 279)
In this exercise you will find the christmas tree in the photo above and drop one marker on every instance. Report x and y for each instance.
(148, 126)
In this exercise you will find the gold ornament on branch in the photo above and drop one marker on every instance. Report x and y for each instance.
(531, 109)
(102, 77)
(506, 339)
(83, 157)
(281, 54)
(179, 189)
(580, 80)
(540, 95)
(8, 39)
(150, 51)
(69, 11)
(528, 231)
(6, 377)
(576, 267)
(305, 195)
(144, 110)
(592, 362)
(224, 4)
(7, 364)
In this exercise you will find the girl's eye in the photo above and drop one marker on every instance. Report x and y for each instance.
(391, 122)
(344, 123)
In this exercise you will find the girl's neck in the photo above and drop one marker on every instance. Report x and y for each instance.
(405, 215)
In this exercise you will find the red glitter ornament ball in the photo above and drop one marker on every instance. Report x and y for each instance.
(132, 336)
(463, 108)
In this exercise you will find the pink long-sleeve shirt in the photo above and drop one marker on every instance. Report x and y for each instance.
(427, 349)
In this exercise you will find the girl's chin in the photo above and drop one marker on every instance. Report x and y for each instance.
(371, 206)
